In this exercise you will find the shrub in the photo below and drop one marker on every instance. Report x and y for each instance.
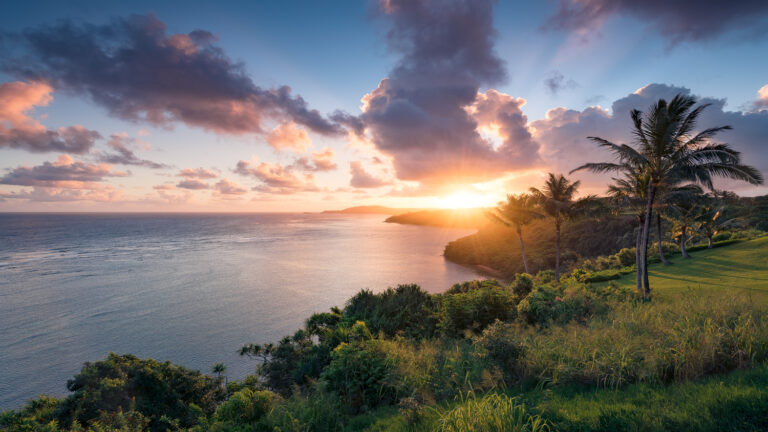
(358, 374)
(626, 257)
(245, 407)
(466, 286)
(545, 276)
(406, 309)
(475, 310)
(164, 393)
(546, 305)
(497, 343)
(523, 285)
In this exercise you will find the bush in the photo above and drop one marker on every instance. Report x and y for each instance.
(406, 309)
(475, 310)
(545, 277)
(546, 305)
(466, 286)
(245, 407)
(497, 343)
(523, 285)
(358, 374)
(164, 393)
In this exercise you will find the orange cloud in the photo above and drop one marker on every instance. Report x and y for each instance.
(288, 136)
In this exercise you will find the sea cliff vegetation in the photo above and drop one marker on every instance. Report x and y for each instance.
(584, 354)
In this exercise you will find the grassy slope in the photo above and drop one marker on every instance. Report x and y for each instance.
(742, 267)
(735, 401)
(714, 403)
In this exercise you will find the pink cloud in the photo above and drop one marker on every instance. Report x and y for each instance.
(288, 136)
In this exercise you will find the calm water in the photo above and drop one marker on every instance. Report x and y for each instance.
(187, 288)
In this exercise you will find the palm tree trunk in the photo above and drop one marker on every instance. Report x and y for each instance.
(638, 266)
(664, 259)
(522, 249)
(682, 242)
(709, 239)
(644, 242)
(557, 251)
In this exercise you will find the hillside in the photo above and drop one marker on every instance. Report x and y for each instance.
(372, 209)
(498, 247)
(445, 218)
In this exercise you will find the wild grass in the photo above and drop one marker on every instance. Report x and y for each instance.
(493, 412)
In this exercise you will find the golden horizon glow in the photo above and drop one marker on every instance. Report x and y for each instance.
(464, 200)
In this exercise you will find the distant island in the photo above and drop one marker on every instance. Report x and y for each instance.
(444, 218)
(373, 209)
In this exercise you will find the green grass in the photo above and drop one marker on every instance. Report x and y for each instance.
(734, 402)
(742, 267)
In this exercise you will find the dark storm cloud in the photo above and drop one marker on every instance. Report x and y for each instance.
(419, 113)
(678, 21)
(138, 72)
(125, 156)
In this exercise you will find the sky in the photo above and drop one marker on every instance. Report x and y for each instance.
(305, 106)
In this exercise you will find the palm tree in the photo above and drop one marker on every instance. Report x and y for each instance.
(710, 218)
(666, 147)
(684, 216)
(516, 212)
(556, 200)
(628, 193)
(218, 369)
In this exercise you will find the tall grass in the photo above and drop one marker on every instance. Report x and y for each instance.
(660, 342)
(493, 412)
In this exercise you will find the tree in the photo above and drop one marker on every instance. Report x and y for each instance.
(683, 215)
(516, 212)
(666, 146)
(710, 218)
(218, 369)
(556, 200)
(628, 194)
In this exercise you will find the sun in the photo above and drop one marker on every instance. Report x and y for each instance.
(464, 199)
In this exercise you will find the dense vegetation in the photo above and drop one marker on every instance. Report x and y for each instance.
(447, 218)
(531, 354)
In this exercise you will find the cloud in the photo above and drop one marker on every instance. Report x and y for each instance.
(192, 184)
(556, 82)
(276, 178)
(287, 136)
(65, 172)
(363, 179)
(562, 133)
(199, 173)
(762, 99)
(678, 21)
(418, 115)
(321, 161)
(20, 131)
(49, 194)
(227, 187)
(138, 72)
(124, 155)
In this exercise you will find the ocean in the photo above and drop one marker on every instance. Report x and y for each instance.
(189, 288)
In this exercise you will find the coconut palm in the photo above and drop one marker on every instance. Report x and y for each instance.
(710, 219)
(628, 195)
(556, 200)
(218, 369)
(516, 212)
(666, 146)
(684, 216)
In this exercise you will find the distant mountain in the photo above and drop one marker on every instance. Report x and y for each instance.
(373, 209)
